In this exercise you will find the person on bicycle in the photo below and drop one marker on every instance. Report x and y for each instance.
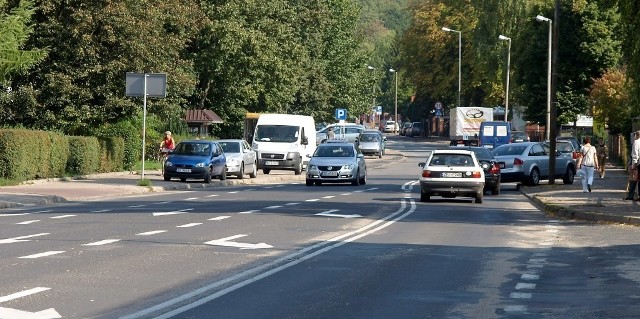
(168, 144)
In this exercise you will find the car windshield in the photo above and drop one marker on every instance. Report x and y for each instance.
(370, 138)
(334, 151)
(199, 149)
(482, 153)
(451, 160)
(564, 147)
(230, 147)
(277, 133)
(509, 150)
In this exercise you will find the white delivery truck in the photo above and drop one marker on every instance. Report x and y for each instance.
(284, 142)
(464, 124)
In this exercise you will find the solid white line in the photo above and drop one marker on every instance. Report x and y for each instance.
(266, 270)
(101, 211)
(189, 225)
(23, 293)
(153, 232)
(102, 242)
(27, 222)
(45, 254)
(62, 216)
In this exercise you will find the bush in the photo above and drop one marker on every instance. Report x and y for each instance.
(84, 155)
(28, 154)
(111, 154)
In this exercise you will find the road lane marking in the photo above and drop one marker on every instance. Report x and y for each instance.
(62, 216)
(228, 242)
(312, 200)
(214, 195)
(529, 277)
(23, 293)
(327, 197)
(137, 206)
(162, 203)
(189, 225)
(18, 214)
(27, 222)
(273, 207)
(345, 194)
(44, 254)
(153, 232)
(371, 189)
(101, 210)
(523, 285)
(219, 218)
(520, 295)
(102, 242)
(43, 211)
(249, 211)
(329, 213)
(20, 238)
(19, 314)
(174, 212)
(233, 192)
(192, 198)
(207, 293)
(515, 308)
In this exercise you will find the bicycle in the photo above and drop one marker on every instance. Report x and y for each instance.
(163, 155)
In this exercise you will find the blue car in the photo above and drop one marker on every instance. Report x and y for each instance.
(197, 159)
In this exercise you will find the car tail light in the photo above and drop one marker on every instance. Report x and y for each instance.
(476, 174)
(495, 168)
(517, 161)
(576, 155)
(426, 173)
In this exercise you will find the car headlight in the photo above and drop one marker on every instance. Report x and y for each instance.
(233, 161)
(167, 163)
(348, 166)
(200, 165)
(314, 167)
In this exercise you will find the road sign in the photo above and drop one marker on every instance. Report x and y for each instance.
(379, 110)
(341, 114)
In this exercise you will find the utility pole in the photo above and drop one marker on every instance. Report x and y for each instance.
(554, 105)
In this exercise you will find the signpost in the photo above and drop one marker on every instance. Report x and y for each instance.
(146, 84)
(341, 114)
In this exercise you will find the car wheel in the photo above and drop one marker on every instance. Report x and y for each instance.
(479, 198)
(356, 180)
(363, 180)
(254, 171)
(241, 172)
(167, 178)
(534, 178)
(568, 177)
(207, 179)
(182, 179)
(298, 169)
(425, 197)
(309, 183)
(266, 171)
(380, 154)
(496, 189)
(223, 176)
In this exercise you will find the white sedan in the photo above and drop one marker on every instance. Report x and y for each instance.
(451, 173)
(241, 159)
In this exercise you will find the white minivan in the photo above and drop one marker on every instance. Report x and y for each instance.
(284, 142)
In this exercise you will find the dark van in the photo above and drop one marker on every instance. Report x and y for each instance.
(494, 134)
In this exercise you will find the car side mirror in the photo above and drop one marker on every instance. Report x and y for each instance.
(304, 140)
(384, 138)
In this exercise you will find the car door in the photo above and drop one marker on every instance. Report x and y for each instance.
(362, 166)
(540, 157)
(218, 160)
(249, 156)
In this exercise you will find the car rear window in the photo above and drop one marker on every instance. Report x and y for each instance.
(451, 160)
(509, 150)
(334, 151)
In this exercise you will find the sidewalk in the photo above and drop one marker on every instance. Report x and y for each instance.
(604, 204)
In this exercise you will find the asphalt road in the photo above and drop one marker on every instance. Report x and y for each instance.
(286, 250)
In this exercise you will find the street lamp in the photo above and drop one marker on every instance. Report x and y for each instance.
(506, 100)
(540, 18)
(373, 90)
(459, 59)
(397, 125)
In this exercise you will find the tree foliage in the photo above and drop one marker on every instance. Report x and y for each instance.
(609, 99)
(15, 28)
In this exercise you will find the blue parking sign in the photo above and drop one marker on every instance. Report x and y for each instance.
(341, 114)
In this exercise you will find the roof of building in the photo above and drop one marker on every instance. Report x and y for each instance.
(203, 116)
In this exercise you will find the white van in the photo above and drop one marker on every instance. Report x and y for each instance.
(284, 142)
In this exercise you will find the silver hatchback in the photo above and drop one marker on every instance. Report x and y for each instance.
(337, 162)
(528, 163)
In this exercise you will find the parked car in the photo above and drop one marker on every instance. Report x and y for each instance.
(406, 126)
(573, 140)
(528, 163)
(196, 159)
(241, 159)
(567, 148)
(391, 127)
(372, 143)
(519, 136)
(451, 173)
(416, 129)
(349, 131)
(489, 165)
(337, 162)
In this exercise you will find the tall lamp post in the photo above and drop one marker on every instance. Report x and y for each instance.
(397, 125)
(373, 91)
(459, 59)
(506, 99)
(540, 18)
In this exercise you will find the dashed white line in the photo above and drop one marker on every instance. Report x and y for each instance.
(219, 218)
(523, 285)
(23, 293)
(153, 232)
(249, 211)
(162, 203)
(520, 295)
(273, 207)
(192, 198)
(43, 211)
(101, 211)
(312, 200)
(45, 254)
(233, 192)
(18, 214)
(529, 277)
(189, 225)
(27, 222)
(327, 197)
(291, 204)
(345, 194)
(515, 308)
(214, 195)
(21, 238)
(62, 216)
(102, 242)
(137, 206)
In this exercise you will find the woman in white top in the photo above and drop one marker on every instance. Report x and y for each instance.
(588, 163)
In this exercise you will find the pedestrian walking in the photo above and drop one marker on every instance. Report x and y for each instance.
(330, 134)
(588, 163)
(633, 181)
(635, 160)
(602, 156)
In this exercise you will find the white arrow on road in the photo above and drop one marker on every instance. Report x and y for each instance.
(227, 242)
(175, 212)
(20, 239)
(329, 213)
(8, 313)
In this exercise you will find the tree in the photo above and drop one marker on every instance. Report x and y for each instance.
(15, 28)
(609, 98)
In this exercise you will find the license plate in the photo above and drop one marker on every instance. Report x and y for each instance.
(183, 170)
(271, 163)
(451, 174)
(329, 173)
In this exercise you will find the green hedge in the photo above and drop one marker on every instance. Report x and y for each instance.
(27, 154)
(111, 154)
(84, 155)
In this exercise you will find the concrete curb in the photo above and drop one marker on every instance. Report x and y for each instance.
(39, 200)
